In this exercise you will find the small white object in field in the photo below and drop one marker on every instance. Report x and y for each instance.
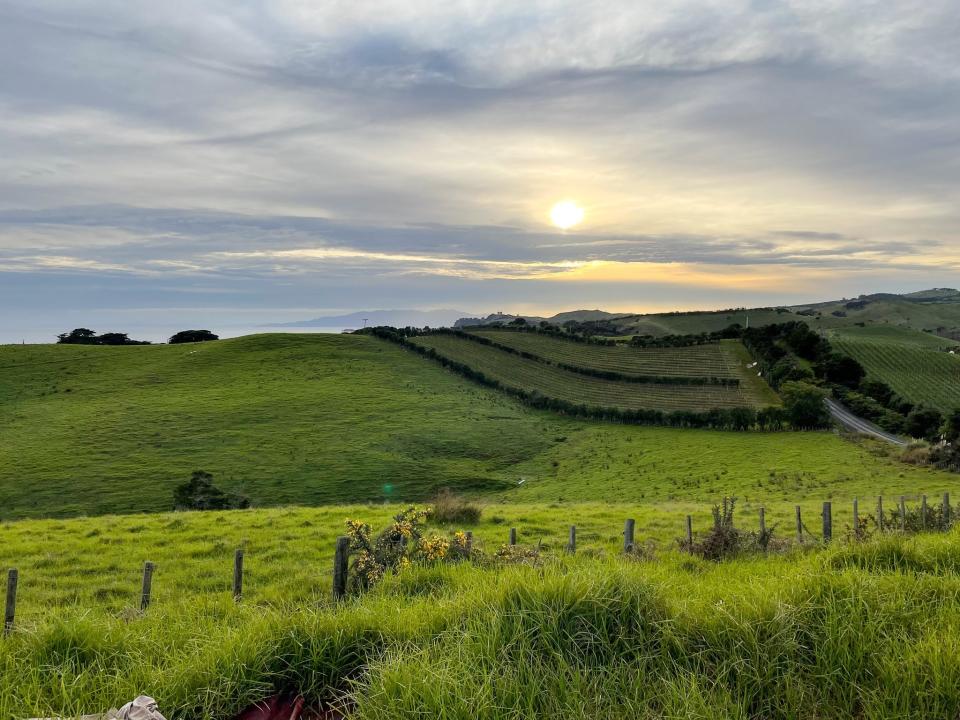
(521, 481)
(143, 708)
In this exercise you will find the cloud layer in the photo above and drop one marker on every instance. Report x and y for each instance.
(389, 149)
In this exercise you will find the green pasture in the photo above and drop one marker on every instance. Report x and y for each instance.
(331, 419)
(854, 630)
(915, 364)
(554, 382)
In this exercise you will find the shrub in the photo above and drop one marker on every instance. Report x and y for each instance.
(199, 493)
(723, 540)
(916, 454)
(449, 508)
(518, 554)
(915, 520)
(946, 457)
(399, 545)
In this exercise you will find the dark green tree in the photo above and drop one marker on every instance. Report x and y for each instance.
(79, 336)
(804, 405)
(843, 370)
(924, 423)
(192, 336)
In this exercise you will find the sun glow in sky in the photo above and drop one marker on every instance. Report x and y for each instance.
(566, 214)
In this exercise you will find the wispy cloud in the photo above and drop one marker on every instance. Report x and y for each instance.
(352, 143)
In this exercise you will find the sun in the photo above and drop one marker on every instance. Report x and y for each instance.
(566, 214)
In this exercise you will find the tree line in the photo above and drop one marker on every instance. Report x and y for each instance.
(795, 412)
(793, 352)
(85, 336)
(588, 371)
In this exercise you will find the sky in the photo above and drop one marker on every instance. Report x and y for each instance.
(225, 164)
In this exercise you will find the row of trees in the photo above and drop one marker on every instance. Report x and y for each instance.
(85, 336)
(588, 371)
(793, 352)
(802, 405)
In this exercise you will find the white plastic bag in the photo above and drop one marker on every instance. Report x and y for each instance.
(143, 708)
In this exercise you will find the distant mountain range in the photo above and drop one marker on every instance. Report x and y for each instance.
(394, 318)
(936, 310)
(558, 319)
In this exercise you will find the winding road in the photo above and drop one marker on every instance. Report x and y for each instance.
(857, 424)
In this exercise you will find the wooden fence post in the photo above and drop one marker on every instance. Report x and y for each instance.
(880, 520)
(827, 522)
(903, 514)
(147, 586)
(856, 518)
(572, 541)
(763, 520)
(13, 578)
(628, 535)
(341, 557)
(923, 512)
(799, 526)
(238, 574)
(946, 510)
(513, 536)
(689, 534)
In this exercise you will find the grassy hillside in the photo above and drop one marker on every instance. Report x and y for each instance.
(851, 631)
(935, 311)
(313, 419)
(284, 418)
(728, 359)
(689, 323)
(911, 362)
(931, 312)
(697, 361)
(554, 382)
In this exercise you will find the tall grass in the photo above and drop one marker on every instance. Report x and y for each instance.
(869, 630)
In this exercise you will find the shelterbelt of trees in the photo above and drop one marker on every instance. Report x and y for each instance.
(86, 336)
(803, 406)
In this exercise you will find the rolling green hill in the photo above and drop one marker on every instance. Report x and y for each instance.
(690, 323)
(554, 382)
(727, 360)
(314, 419)
(697, 361)
(934, 311)
(913, 363)
(286, 418)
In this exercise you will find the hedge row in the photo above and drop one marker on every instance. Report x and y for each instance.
(591, 372)
(771, 418)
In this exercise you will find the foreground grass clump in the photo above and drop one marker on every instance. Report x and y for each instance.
(834, 633)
